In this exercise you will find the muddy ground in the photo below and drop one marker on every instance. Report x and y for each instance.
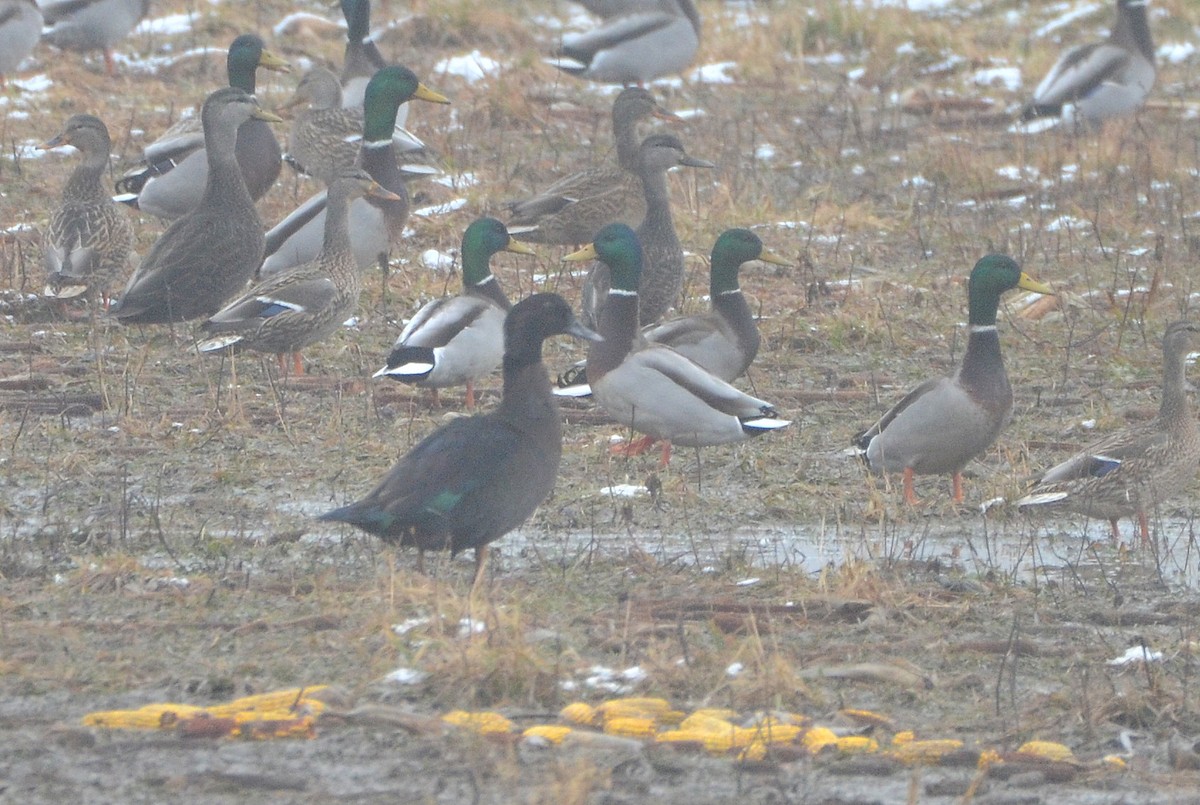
(157, 540)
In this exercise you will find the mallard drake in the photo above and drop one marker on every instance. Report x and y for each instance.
(945, 422)
(650, 387)
(1129, 472)
(572, 210)
(206, 256)
(89, 240)
(85, 25)
(458, 339)
(475, 479)
(362, 61)
(374, 224)
(635, 47)
(20, 28)
(171, 180)
(662, 254)
(1101, 80)
(725, 341)
(289, 311)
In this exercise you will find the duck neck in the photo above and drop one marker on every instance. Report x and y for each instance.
(1132, 29)
(982, 369)
(618, 324)
(225, 181)
(527, 395)
(625, 137)
(336, 244)
(243, 76)
(1175, 407)
(84, 182)
(658, 207)
(730, 304)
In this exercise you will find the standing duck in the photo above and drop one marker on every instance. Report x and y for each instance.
(945, 422)
(1133, 470)
(206, 256)
(1103, 79)
(649, 387)
(363, 60)
(86, 25)
(572, 210)
(458, 339)
(475, 479)
(89, 240)
(639, 45)
(289, 311)
(325, 137)
(662, 254)
(171, 180)
(374, 224)
(20, 29)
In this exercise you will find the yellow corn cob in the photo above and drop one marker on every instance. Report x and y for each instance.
(659, 710)
(484, 723)
(630, 727)
(580, 713)
(1114, 762)
(867, 717)
(774, 731)
(702, 721)
(817, 738)
(717, 743)
(150, 717)
(755, 750)
(248, 716)
(1048, 750)
(925, 751)
(857, 745)
(553, 733)
(905, 737)
(989, 757)
(722, 713)
(279, 700)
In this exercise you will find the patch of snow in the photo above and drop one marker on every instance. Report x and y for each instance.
(625, 491)
(437, 261)
(1066, 19)
(171, 24)
(716, 73)
(470, 67)
(1007, 77)
(1175, 52)
(406, 676)
(441, 209)
(1136, 654)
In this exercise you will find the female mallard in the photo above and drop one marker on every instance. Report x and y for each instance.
(476, 478)
(89, 240)
(1101, 80)
(635, 47)
(1133, 470)
(324, 138)
(85, 25)
(944, 423)
(289, 311)
(374, 224)
(171, 181)
(649, 387)
(206, 256)
(20, 28)
(662, 255)
(572, 210)
(726, 340)
(458, 339)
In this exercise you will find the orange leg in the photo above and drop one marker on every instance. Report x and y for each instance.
(297, 364)
(470, 395)
(636, 447)
(109, 65)
(958, 490)
(1144, 527)
(910, 495)
(666, 455)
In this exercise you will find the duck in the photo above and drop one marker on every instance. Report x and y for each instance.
(650, 387)
(170, 181)
(85, 25)
(1132, 470)
(662, 256)
(938, 427)
(639, 45)
(20, 29)
(363, 60)
(724, 341)
(456, 340)
(324, 137)
(571, 211)
(89, 240)
(206, 256)
(374, 224)
(607, 9)
(476, 478)
(1101, 80)
(296, 308)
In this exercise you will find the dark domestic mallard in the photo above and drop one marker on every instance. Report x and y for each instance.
(662, 255)
(288, 311)
(649, 387)
(476, 478)
(206, 256)
(1101, 80)
(938, 427)
(572, 210)
(456, 340)
(90, 238)
(86, 25)
(374, 224)
(1132, 471)
(171, 179)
